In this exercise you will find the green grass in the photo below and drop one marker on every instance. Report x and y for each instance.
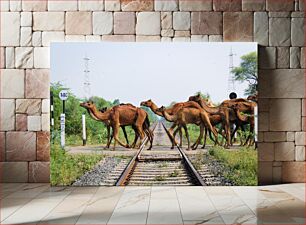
(241, 164)
(66, 168)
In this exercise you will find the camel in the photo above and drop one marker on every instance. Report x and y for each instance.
(222, 111)
(172, 111)
(123, 115)
(188, 115)
(253, 98)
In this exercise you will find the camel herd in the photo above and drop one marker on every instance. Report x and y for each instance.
(196, 110)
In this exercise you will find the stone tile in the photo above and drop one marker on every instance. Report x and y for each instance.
(166, 39)
(23, 57)
(168, 5)
(26, 19)
(298, 14)
(181, 39)
(112, 5)
(228, 5)
(45, 106)
(253, 5)
(263, 105)
(41, 57)
(45, 122)
(297, 32)
(137, 5)
(25, 36)
(102, 23)
(281, 83)
(295, 57)
(215, 38)
(285, 115)
(43, 146)
(286, 5)
(12, 84)
(124, 22)
(75, 38)
(14, 172)
(78, 23)
(37, 39)
(300, 153)
(182, 33)
(2, 146)
(2, 57)
(301, 5)
(34, 5)
(238, 26)
(48, 21)
(166, 20)
(279, 14)
(277, 174)
(20, 146)
(167, 33)
(147, 38)
(303, 58)
(181, 21)
(39, 172)
(10, 28)
(200, 5)
(199, 38)
(267, 57)
(206, 23)
(93, 38)
(293, 172)
(34, 123)
(263, 121)
(5, 6)
(284, 151)
(15, 6)
(119, 38)
(48, 37)
(57, 5)
(275, 136)
(28, 106)
(37, 83)
(283, 57)
(10, 57)
(94, 5)
(148, 23)
(265, 173)
(21, 122)
(300, 138)
(7, 114)
(265, 152)
(279, 33)
(291, 136)
(261, 28)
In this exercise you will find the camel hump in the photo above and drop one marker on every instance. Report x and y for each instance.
(127, 104)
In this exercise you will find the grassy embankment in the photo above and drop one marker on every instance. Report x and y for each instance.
(241, 165)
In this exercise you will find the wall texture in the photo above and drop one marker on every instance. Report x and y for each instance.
(28, 27)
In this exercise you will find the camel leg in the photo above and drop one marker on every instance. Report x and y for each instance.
(205, 137)
(125, 135)
(206, 121)
(109, 137)
(181, 137)
(227, 129)
(116, 136)
(135, 138)
(234, 132)
(187, 136)
(173, 135)
(199, 138)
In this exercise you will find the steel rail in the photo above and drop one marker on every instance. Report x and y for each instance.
(189, 165)
(132, 164)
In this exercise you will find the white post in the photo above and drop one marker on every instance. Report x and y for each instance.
(84, 129)
(63, 130)
(256, 123)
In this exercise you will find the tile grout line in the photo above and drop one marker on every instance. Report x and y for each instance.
(149, 205)
(116, 205)
(178, 201)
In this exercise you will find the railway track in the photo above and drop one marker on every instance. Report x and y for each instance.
(160, 166)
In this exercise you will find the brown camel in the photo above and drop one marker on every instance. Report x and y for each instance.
(245, 119)
(187, 115)
(171, 111)
(222, 111)
(123, 115)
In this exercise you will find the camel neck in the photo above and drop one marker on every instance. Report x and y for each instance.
(167, 116)
(154, 108)
(99, 115)
(207, 108)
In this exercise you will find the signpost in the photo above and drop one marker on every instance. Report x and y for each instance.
(63, 95)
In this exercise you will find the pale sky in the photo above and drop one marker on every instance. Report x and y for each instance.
(134, 72)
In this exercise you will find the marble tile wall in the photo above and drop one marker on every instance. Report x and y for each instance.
(28, 27)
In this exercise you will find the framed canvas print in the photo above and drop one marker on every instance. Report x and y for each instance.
(144, 114)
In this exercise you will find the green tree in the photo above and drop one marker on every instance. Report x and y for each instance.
(206, 96)
(247, 71)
